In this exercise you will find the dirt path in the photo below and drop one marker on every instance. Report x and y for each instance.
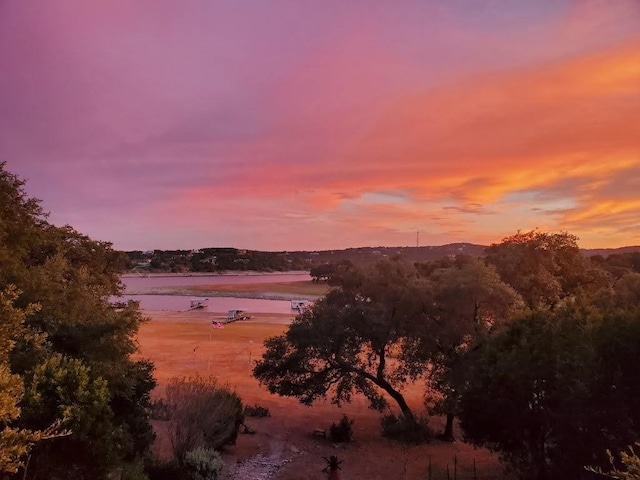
(260, 467)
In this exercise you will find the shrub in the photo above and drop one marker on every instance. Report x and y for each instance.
(133, 471)
(630, 461)
(398, 428)
(256, 411)
(203, 464)
(203, 415)
(159, 410)
(163, 470)
(343, 431)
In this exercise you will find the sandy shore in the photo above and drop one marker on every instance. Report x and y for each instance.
(204, 317)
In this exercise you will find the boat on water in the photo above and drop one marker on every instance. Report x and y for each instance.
(197, 303)
(300, 305)
(237, 314)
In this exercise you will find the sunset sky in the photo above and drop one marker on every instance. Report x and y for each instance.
(289, 125)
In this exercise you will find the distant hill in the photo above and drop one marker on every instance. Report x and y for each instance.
(605, 252)
(226, 259)
(411, 254)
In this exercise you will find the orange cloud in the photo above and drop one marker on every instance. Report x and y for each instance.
(455, 151)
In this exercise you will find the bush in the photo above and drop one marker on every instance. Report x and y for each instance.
(630, 461)
(203, 464)
(256, 411)
(203, 415)
(343, 431)
(133, 471)
(160, 410)
(163, 470)
(398, 428)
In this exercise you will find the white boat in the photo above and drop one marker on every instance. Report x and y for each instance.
(237, 314)
(300, 305)
(198, 303)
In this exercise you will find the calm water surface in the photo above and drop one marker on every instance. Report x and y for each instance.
(181, 281)
(177, 303)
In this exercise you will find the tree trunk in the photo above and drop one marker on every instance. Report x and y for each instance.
(406, 411)
(447, 435)
(397, 396)
(393, 393)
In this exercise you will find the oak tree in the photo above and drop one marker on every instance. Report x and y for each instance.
(545, 268)
(359, 338)
(470, 302)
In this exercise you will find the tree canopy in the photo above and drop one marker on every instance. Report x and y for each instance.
(385, 326)
(74, 358)
(356, 339)
(470, 301)
(15, 443)
(552, 392)
(545, 268)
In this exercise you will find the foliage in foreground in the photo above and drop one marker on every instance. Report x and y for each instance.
(341, 432)
(397, 428)
(15, 443)
(554, 389)
(256, 411)
(629, 468)
(202, 414)
(73, 356)
(203, 464)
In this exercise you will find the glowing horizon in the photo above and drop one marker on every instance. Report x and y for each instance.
(280, 126)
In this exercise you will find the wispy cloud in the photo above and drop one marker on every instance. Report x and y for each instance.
(287, 126)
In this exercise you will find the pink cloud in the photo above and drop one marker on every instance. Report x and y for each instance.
(284, 126)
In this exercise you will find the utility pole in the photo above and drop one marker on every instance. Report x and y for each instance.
(417, 238)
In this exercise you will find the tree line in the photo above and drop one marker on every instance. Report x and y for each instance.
(533, 347)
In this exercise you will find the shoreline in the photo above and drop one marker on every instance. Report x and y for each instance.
(226, 273)
(205, 317)
(231, 294)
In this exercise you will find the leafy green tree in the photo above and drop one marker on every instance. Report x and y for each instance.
(360, 338)
(620, 263)
(72, 278)
(553, 388)
(620, 297)
(15, 443)
(545, 268)
(64, 387)
(469, 302)
(322, 272)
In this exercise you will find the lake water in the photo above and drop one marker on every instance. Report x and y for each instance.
(136, 283)
(177, 303)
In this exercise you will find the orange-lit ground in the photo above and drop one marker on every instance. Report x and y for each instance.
(184, 344)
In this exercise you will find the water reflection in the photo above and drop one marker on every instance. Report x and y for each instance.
(139, 283)
(179, 303)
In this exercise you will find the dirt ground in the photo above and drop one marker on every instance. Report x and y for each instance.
(185, 344)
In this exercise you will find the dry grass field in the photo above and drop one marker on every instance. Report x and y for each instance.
(184, 344)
